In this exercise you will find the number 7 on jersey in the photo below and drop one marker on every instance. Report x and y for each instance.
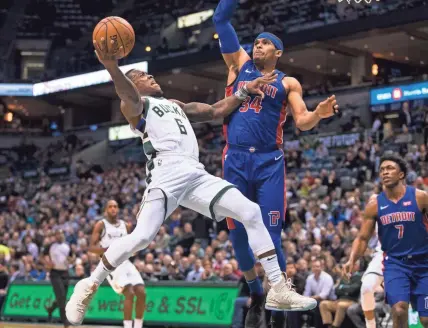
(400, 228)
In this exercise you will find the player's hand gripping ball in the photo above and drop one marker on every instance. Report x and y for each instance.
(113, 38)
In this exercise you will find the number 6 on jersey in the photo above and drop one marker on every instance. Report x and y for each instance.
(181, 126)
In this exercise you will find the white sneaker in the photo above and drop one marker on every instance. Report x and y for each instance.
(79, 301)
(282, 296)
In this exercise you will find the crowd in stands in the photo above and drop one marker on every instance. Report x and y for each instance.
(326, 189)
(69, 23)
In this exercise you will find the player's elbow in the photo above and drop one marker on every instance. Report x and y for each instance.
(216, 114)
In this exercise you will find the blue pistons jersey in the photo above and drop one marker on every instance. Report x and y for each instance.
(257, 122)
(403, 231)
(253, 159)
(403, 228)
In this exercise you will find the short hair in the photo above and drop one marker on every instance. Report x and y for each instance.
(130, 73)
(397, 159)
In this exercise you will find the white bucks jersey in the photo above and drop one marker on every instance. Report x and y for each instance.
(112, 232)
(378, 245)
(166, 129)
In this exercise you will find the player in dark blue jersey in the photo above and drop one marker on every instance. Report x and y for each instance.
(401, 214)
(253, 157)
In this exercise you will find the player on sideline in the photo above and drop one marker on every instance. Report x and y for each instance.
(176, 177)
(253, 156)
(125, 279)
(401, 215)
(372, 280)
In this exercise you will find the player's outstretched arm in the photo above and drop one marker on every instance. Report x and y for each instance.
(359, 245)
(131, 104)
(94, 244)
(200, 112)
(304, 119)
(233, 54)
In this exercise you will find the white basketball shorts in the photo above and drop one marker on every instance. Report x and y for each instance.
(124, 275)
(185, 182)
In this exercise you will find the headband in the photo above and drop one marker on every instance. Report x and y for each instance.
(272, 38)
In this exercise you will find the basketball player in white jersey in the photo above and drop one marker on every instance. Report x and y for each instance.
(372, 281)
(176, 177)
(125, 279)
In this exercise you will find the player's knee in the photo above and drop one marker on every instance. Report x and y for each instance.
(400, 310)
(251, 214)
(367, 288)
(128, 292)
(140, 291)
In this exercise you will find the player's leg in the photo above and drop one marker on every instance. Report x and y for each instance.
(154, 208)
(135, 279)
(140, 305)
(370, 282)
(397, 290)
(128, 304)
(216, 198)
(245, 257)
(270, 195)
(420, 291)
(269, 174)
(234, 172)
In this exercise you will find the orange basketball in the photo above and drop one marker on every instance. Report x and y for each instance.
(118, 33)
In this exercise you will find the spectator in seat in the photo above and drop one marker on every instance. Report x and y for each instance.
(336, 249)
(323, 216)
(347, 292)
(208, 274)
(319, 285)
(162, 239)
(228, 273)
(308, 153)
(196, 274)
(188, 238)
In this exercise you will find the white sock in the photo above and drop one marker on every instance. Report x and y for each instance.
(127, 323)
(371, 323)
(138, 323)
(271, 267)
(100, 274)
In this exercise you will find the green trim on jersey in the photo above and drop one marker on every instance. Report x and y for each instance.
(146, 107)
(148, 148)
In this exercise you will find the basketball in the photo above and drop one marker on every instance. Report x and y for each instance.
(118, 33)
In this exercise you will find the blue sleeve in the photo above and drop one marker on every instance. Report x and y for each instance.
(229, 42)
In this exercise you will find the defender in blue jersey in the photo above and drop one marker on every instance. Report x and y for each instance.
(253, 157)
(401, 214)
